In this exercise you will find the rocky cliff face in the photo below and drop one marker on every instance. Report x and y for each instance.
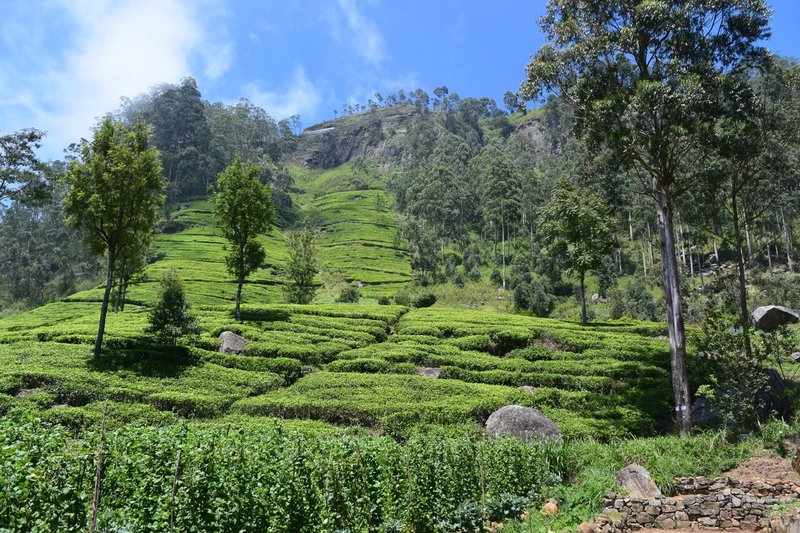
(381, 135)
(376, 135)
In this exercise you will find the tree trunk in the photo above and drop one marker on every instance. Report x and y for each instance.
(239, 299)
(787, 237)
(769, 254)
(584, 318)
(644, 262)
(124, 295)
(650, 244)
(630, 227)
(747, 234)
(740, 264)
(672, 298)
(503, 249)
(104, 308)
(120, 292)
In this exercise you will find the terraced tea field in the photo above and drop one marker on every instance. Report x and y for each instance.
(345, 365)
(361, 242)
(355, 242)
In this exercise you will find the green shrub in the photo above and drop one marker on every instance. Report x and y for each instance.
(268, 478)
(349, 294)
(402, 298)
(426, 299)
(535, 296)
(170, 318)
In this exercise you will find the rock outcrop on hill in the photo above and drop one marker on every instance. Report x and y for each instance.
(375, 135)
(382, 136)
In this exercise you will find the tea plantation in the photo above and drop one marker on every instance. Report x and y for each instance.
(326, 422)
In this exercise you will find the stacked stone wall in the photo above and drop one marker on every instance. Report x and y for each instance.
(701, 502)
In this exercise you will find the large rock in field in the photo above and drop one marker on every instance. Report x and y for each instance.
(772, 396)
(231, 343)
(703, 412)
(638, 483)
(428, 371)
(770, 317)
(522, 423)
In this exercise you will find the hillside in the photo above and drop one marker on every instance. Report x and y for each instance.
(364, 359)
(345, 417)
(370, 416)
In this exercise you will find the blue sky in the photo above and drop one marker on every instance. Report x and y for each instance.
(65, 62)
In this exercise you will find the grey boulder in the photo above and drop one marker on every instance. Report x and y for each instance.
(771, 317)
(637, 482)
(428, 371)
(522, 423)
(231, 343)
(703, 413)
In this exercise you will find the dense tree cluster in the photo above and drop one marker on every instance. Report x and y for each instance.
(198, 139)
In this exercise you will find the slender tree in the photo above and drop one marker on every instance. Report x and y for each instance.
(243, 209)
(500, 191)
(115, 191)
(130, 261)
(576, 227)
(643, 78)
(301, 265)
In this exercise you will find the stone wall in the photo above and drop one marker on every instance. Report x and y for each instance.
(704, 485)
(702, 502)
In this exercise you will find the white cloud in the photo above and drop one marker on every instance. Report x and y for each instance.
(364, 34)
(111, 49)
(301, 97)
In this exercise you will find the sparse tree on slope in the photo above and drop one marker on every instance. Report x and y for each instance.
(243, 209)
(500, 191)
(642, 78)
(115, 191)
(576, 226)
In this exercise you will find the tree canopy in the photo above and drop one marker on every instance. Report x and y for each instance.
(115, 190)
(577, 228)
(243, 209)
(22, 175)
(644, 79)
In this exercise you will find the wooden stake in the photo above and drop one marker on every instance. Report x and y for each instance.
(172, 494)
(97, 472)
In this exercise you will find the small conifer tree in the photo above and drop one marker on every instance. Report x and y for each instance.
(170, 319)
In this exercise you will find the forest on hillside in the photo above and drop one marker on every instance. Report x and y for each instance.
(471, 182)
